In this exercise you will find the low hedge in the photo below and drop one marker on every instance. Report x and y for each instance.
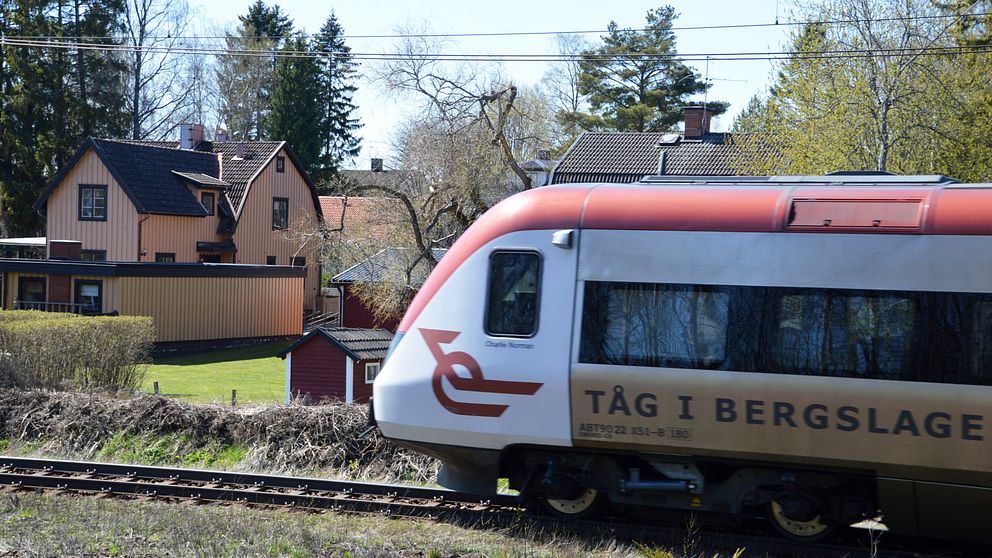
(93, 352)
(24, 315)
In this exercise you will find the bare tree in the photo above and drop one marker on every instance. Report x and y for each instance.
(561, 87)
(457, 98)
(459, 155)
(158, 89)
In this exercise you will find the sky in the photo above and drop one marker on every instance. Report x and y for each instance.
(735, 82)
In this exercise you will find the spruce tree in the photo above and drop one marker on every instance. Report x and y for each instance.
(337, 123)
(296, 114)
(51, 99)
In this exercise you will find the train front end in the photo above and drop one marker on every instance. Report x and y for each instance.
(480, 361)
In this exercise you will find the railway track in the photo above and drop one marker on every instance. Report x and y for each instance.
(313, 494)
(263, 490)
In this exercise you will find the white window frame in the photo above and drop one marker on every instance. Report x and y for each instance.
(377, 366)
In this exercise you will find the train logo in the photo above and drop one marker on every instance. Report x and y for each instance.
(445, 368)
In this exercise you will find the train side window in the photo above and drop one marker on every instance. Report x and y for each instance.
(979, 365)
(514, 294)
(857, 334)
(656, 325)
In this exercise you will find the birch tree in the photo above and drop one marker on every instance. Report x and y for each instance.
(873, 92)
(159, 93)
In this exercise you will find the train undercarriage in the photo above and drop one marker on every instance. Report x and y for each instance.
(800, 504)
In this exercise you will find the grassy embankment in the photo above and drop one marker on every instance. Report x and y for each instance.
(256, 373)
(34, 524)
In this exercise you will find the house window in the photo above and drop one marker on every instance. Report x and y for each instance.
(89, 295)
(298, 261)
(514, 293)
(165, 257)
(280, 164)
(31, 289)
(94, 255)
(280, 214)
(371, 371)
(270, 260)
(207, 199)
(92, 202)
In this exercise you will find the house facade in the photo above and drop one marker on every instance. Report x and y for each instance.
(224, 202)
(213, 240)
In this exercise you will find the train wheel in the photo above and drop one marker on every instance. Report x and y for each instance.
(810, 530)
(582, 505)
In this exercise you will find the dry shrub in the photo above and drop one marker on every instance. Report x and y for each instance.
(101, 352)
(286, 438)
(20, 315)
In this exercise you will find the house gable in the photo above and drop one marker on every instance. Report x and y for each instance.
(117, 236)
(147, 174)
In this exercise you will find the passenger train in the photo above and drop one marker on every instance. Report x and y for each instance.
(818, 349)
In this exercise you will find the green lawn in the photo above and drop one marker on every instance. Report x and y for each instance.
(257, 374)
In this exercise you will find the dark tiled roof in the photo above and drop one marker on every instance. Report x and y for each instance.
(625, 157)
(358, 344)
(145, 173)
(384, 267)
(203, 180)
(156, 168)
(709, 156)
(236, 172)
(239, 171)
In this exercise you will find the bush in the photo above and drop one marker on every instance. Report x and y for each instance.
(20, 315)
(293, 439)
(94, 352)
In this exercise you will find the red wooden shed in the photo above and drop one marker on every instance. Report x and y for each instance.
(335, 363)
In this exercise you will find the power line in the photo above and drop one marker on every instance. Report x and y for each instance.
(492, 57)
(525, 33)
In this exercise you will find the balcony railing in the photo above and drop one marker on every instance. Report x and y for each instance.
(66, 307)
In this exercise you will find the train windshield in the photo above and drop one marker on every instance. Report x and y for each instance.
(514, 289)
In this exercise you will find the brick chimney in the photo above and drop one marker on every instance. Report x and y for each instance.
(190, 135)
(696, 124)
(65, 249)
(376, 164)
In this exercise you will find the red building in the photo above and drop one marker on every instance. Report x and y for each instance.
(335, 363)
(386, 266)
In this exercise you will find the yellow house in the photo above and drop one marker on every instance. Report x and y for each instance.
(168, 205)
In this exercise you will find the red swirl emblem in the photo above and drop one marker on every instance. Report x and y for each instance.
(445, 368)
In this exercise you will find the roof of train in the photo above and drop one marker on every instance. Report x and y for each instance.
(868, 204)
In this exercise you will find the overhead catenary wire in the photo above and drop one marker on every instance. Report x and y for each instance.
(493, 57)
(527, 33)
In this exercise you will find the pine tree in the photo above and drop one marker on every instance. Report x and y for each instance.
(337, 125)
(635, 81)
(296, 111)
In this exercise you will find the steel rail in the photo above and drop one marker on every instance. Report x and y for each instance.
(307, 493)
(235, 478)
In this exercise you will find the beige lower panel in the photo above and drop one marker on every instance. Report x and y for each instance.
(870, 424)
